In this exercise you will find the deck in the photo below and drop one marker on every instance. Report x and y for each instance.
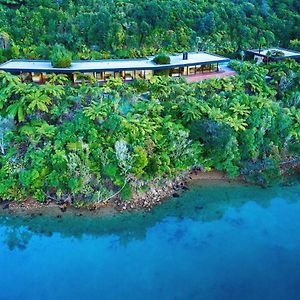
(224, 72)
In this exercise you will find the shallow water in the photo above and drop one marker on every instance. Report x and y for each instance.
(217, 241)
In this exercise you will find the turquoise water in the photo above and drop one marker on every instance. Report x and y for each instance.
(216, 241)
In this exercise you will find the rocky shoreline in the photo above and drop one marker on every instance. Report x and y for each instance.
(154, 195)
(158, 192)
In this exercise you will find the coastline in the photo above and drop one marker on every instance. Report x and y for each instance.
(158, 193)
(154, 195)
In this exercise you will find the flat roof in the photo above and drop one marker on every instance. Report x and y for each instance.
(199, 58)
(286, 52)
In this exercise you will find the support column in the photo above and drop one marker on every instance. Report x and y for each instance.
(73, 77)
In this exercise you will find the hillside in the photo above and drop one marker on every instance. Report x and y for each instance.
(132, 28)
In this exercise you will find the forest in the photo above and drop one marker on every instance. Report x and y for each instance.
(93, 29)
(86, 143)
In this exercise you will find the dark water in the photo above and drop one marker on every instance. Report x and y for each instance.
(216, 241)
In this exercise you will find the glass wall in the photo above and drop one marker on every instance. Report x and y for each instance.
(37, 77)
(128, 75)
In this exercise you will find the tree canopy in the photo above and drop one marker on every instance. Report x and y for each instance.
(135, 28)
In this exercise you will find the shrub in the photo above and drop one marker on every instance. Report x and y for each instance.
(275, 53)
(60, 57)
(162, 59)
(295, 44)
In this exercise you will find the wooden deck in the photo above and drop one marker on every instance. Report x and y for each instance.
(224, 72)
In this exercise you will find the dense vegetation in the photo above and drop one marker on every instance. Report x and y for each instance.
(132, 28)
(88, 142)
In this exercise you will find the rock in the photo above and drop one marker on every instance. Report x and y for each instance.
(176, 195)
(176, 187)
(91, 207)
(5, 206)
(199, 207)
(63, 207)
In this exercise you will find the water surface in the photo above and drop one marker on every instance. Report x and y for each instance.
(216, 241)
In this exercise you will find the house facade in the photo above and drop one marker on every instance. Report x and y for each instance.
(273, 54)
(187, 64)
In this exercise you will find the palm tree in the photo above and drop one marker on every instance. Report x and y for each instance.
(189, 108)
(215, 113)
(7, 78)
(53, 90)
(240, 109)
(236, 123)
(38, 101)
(97, 111)
(59, 79)
(17, 109)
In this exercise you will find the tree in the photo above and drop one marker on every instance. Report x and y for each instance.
(4, 40)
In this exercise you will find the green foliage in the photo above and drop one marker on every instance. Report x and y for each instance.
(140, 160)
(126, 192)
(275, 53)
(219, 143)
(264, 172)
(162, 59)
(98, 30)
(60, 57)
(210, 132)
(295, 44)
(87, 143)
(294, 148)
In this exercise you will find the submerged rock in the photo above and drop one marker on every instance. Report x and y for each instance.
(5, 206)
(199, 207)
(63, 207)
